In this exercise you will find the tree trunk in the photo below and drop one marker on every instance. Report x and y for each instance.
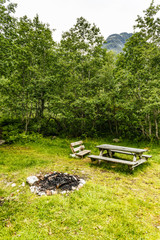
(156, 126)
(150, 126)
(28, 117)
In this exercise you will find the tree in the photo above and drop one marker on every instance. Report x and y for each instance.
(26, 88)
(7, 35)
(148, 25)
(80, 57)
(138, 75)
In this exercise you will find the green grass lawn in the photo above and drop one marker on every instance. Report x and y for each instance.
(113, 204)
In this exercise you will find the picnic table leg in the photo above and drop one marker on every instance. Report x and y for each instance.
(100, 154)
(140, 156)
(113, 154)
(131, 168)
(110, 153)
(134, 158)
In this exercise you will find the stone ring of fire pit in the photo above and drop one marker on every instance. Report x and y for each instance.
(53, 183)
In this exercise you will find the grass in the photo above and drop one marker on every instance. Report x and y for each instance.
(113, 204)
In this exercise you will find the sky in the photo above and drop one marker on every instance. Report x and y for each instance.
(111, 16)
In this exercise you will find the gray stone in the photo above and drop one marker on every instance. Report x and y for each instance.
(32, 179)
(116, 140)
(2, 141)
(82, 181)
(33, 188)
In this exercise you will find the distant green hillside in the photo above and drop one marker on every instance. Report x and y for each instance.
(115, 42)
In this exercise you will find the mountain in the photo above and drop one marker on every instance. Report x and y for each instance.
(115, 42)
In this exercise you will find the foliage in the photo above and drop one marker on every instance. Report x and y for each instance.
(80, 56)
(77, 88)
(138, 75)
(27, 87)
(7, 34)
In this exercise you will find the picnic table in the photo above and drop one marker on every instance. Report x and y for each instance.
(107, 153)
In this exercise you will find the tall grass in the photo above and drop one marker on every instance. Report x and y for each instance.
(113, 204)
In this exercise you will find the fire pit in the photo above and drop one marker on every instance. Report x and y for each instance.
(53, 183)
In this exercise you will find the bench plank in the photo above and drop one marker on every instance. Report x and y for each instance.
(112, 159)
(76, 143)
(81, 148)
(146, 156)
(129, 163)
(82, 153)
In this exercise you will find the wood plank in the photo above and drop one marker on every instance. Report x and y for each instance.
(139, 162)
(128, 153)
(131, 163)
(80, 148)
(76, 143)
(121, 148)
(147, 156)
(82, 153)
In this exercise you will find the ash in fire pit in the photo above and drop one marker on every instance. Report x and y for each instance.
(55, 182)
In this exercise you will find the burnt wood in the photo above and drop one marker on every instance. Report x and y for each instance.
(57, 180)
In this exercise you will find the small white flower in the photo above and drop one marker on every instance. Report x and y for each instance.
(13, 185)
(23, 184)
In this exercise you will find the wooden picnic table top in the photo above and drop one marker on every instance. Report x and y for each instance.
(121, 148)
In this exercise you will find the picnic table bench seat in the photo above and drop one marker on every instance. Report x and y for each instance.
(131, 164)
(78, 149)
(146, 156)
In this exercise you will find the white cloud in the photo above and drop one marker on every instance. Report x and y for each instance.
(111, 16)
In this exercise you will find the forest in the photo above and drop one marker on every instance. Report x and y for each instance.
(75, 87)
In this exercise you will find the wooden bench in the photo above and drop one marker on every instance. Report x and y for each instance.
(78, 149)
(131, 164)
